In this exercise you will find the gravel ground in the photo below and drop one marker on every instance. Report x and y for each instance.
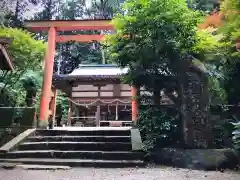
(116, 174)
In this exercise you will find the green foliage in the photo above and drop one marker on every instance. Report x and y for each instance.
(222, 135)
(236, 136)
(27, 54)
(62, 105)
(159, 126)
(31, 81)
(218, 93)
(49, 9)
(152, 38)
(230, 9)
(210, 48)
(213, 53)
(156, 25)
(204, 5)
(230, 31)
(16, 10)
(158, 39)
(231, 24)
(7, 96)
(103, 8)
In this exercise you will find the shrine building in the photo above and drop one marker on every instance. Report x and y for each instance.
(96, 96)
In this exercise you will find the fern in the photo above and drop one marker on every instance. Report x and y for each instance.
(236, 136)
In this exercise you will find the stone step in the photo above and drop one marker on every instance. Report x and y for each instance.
(77, 162)
(83, 132)
(65, 145)
(80, 138)
(104, 155)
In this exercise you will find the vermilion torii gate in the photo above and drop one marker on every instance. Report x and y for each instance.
(52, 27)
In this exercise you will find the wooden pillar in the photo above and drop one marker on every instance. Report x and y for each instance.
(70, 114)
(116, 117)
(98, 112)
(98, 116)
(47, 79)
(134, 104)
(53, 104)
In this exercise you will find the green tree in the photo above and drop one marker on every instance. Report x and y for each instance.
(72, 9)
(159, 41)
(27, 54)
(102, 9)
(160, 35)
(213, 52)
(230, 30)
(16, 11)
(31, 82)
(49, 10)
(231, 24)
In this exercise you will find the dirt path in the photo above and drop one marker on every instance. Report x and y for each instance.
(117, 174)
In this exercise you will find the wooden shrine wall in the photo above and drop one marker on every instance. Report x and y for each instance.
(108, 91)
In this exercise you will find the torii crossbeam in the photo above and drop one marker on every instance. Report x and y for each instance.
(52, 27)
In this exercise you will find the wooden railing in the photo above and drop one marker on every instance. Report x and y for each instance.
(84, 121)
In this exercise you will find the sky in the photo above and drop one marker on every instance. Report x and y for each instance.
(32, 11)
(11, 4)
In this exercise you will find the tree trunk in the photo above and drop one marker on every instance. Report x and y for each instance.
(17, 9)
(156, 94)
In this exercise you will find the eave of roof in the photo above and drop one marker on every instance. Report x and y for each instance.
(103, 70)
(90, 74)
(69, 20)
(85, 78)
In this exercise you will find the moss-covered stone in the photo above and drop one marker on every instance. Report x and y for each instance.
(42, 124)
(202, 159)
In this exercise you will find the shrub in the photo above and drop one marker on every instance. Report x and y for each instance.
(159, 126)
(236, 136)
(222, 134)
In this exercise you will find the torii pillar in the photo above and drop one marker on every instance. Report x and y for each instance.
(134, 105)
(47, 79)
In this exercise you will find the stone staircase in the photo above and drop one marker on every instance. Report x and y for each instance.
(92, 148)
